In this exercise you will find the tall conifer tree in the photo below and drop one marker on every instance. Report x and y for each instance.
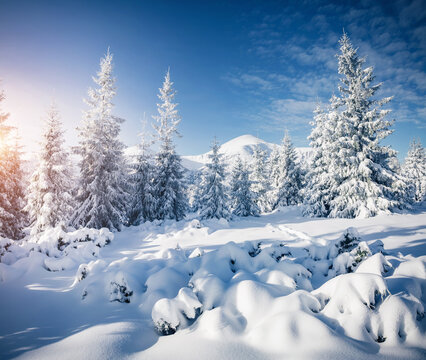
(242, 198)
(290, 181)
(143, 202)
(359, 179)
(102, 191)
(50, 202)
(260, 182)
(213, 201)
(169, 191)
(414, 169)
(12, 198)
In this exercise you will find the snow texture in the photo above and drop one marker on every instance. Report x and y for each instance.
(272, 287)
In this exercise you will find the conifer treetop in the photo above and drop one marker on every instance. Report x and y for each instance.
(168, 118)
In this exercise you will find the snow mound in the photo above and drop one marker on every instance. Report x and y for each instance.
(376, 264)
(261, 292)
(280, 294)
(61, 250)
(177, 311)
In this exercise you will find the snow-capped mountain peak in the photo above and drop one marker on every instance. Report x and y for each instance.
(242, 146)
(241, 142)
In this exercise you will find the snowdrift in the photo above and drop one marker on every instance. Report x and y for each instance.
(284, 292)
(54, 249)
(253, 288)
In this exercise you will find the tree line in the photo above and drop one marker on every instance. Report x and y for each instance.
(350, 174)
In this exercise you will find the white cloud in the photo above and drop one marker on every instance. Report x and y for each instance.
(393, 41)
(249, 81)
(284, 113)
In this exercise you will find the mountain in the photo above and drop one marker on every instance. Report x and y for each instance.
(243, 146)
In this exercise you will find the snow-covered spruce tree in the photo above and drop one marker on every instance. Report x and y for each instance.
(12, 197)
(367, 183)
(143, 203)
(17, 191)
(5, 216)
(193, 189)
(320, 181)
(290, 181)
(242, 198)
(274, 174)
(169, 191)
(213, 200)
(364, 183)
(102, 190)
(13, 217)
(414, 169)
(260, 181)
(273, 166)
(50, 202)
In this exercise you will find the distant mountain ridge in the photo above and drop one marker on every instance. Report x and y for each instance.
(242, 146)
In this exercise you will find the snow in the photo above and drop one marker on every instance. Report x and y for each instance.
(377, 264)
(269, 287)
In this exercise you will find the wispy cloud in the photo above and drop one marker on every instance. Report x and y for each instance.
(290, 112)
(393, 40)
(249, 81)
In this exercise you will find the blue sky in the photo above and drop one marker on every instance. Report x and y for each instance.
(239, 67)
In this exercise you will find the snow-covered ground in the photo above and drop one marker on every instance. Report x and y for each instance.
(273, 287)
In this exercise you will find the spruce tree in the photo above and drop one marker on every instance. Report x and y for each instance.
(5, 216)
(363, 182)
(102, 191)
(143, 203)
(273, 166)
(367, 183)
(193, 189)
(290, 175)
(414, 169)
(242, 198)
(213, 200)
(320, 182)
(12, 196)
(50, 202)
(260, 181)
(16, 217)
(274, 174)
(169, 190)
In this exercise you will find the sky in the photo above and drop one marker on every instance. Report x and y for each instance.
(239, 67)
